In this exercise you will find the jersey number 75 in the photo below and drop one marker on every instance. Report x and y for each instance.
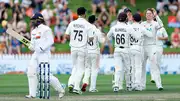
(78, 35)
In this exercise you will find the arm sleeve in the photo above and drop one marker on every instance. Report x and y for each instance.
(164, 32)
(110, 34)
(68, 32)
(159, 21)
(49, 40)
(101, 37)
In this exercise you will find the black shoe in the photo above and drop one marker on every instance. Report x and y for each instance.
(152, 81)
(161, 88)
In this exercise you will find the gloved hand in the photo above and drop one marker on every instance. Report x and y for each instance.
(31, 47)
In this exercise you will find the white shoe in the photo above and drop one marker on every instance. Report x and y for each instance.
(29, 97)
(77, 91)
(61, 94)
(93, 90)
(120, 88)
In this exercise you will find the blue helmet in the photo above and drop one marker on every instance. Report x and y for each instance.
(37, 19)
(37, 16)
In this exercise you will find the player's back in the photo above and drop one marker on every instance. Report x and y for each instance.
(139, 30)
(93, 46)
(121, 35)
(78, 31)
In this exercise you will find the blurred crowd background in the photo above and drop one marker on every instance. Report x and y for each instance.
(57, 15)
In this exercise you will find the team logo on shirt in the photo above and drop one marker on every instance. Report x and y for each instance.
(38, 35)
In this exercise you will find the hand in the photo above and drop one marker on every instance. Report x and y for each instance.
(154, 12)
(31, 47)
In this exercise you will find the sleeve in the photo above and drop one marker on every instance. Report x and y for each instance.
(110, 34)
(101, 37)
(49, 40)
(164, 32)
(159, 21)
(146, 32)
(68, 31)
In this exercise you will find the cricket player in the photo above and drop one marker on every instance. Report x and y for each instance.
(132, 40)
(137, 50)
(150, 46)
(92, 63)
(121, 32)
(79, 32)
(161, 37)
(129, 22)
(41, 42)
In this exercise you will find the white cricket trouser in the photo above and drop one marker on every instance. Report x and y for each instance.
(155, 67)
(92, 68)
(32, 73)
(122, 62)
(136, 63)
(149, 52)
(78, 58)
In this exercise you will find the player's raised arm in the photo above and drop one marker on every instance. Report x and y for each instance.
(159, 21)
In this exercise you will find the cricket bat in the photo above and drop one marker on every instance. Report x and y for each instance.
(19, 37)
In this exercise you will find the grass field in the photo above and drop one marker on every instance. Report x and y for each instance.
(15, 87)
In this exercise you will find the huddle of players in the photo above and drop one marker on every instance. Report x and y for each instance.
(135, 42)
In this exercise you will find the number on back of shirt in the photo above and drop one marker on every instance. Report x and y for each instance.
(90, 43)
(132, 39)
(78, 35)
(120, 38)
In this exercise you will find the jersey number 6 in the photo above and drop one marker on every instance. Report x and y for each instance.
(120, 38)
(78, 34)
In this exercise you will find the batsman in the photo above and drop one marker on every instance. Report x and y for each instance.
(40, 44)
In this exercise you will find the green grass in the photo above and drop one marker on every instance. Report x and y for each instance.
(13, 86)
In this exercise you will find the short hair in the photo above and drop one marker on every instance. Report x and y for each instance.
(81, 11)
(122, 17)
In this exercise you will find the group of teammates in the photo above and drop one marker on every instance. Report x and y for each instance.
(135, 43)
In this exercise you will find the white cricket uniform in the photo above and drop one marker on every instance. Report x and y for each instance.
(137, 53)
(41, 36)
(79, 31)
(149, 49)
(121, 32)
(92, 63)
(159, 52)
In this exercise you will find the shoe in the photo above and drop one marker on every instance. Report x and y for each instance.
(84, 87)
(77, 91)
(161, 88)
(129, 89)
(93, 91)
(61, 94)
(152, 81)
(120, 88)
(29, 96)
(116, 89)
(70, 87)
